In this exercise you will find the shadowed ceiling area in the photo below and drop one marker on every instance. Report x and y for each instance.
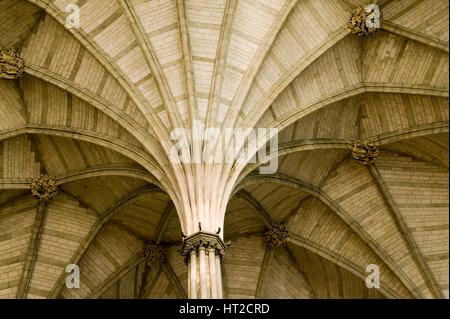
(95, 109)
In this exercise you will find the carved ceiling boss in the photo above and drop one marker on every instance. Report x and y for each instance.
(11, 65)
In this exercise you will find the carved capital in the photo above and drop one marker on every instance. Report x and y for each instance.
(154, 253)
(365, 152)
(276, 236)
(204, 240)
(43, 188)
(11, 65)
(365, 21)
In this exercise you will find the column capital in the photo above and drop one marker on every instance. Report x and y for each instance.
(203, 240)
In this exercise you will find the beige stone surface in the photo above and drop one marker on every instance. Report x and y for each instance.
(97, 104)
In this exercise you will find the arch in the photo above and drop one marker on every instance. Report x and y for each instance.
(330, 203)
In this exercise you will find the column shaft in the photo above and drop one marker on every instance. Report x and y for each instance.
(204, 252)
(193, 275)
(203, 274)
(212, 273)
(219, 278)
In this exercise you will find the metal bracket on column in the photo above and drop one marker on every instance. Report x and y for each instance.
(205, 240)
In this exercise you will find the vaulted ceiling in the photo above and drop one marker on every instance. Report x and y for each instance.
(96, 105)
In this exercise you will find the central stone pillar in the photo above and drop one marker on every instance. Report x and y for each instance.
(203, 253)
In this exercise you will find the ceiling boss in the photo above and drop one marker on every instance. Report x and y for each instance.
(11, 65)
